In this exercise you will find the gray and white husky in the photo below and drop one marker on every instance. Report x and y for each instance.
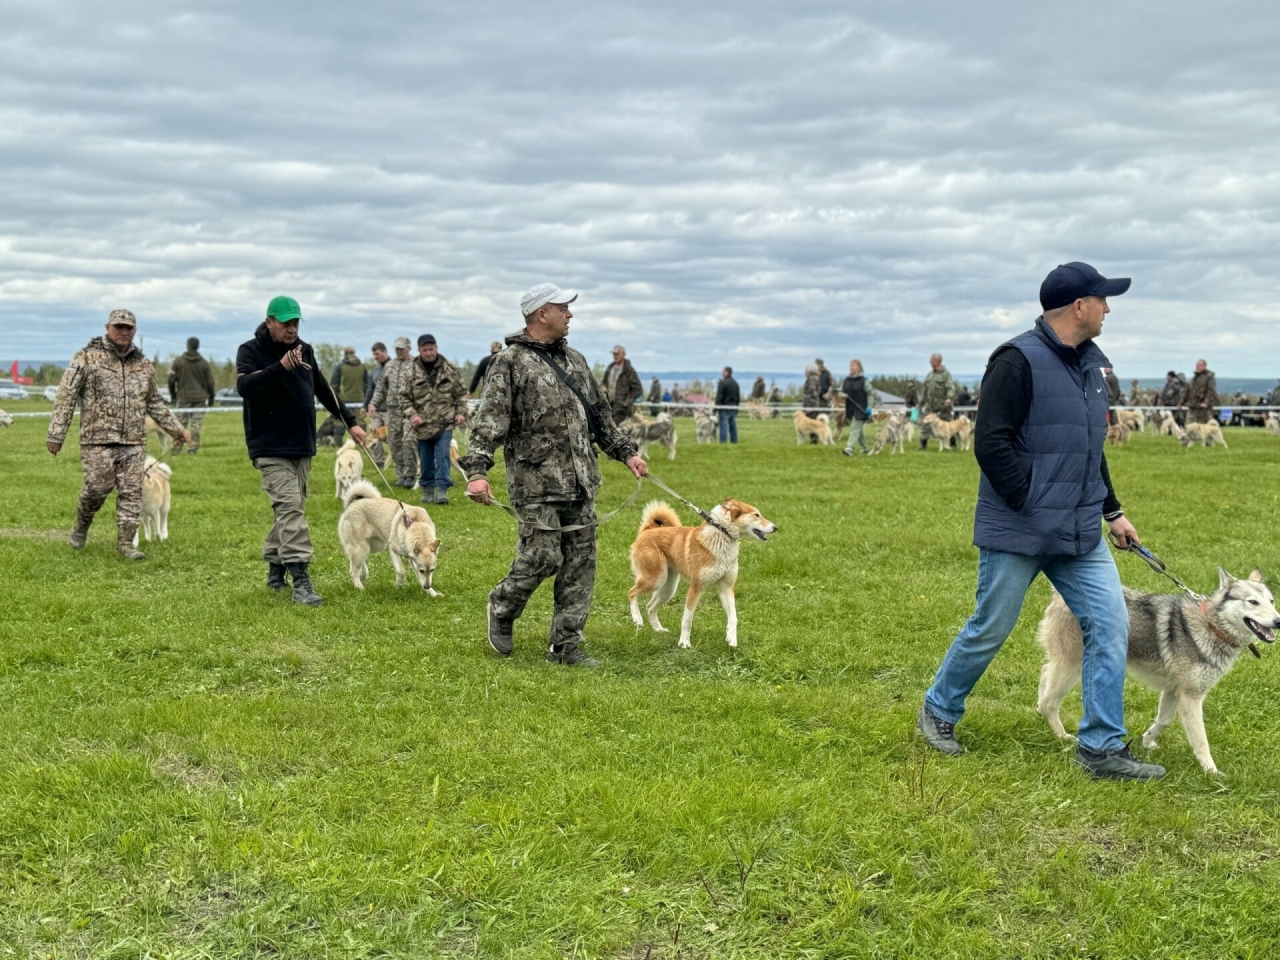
(644, 432)
(1177, 645)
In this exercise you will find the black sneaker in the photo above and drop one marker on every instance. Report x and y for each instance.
(937, 733)
(1117, 765)
(569, 655)
(500, 638)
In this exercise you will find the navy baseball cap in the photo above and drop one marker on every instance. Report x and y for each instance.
(425, 339)
(1068, 282)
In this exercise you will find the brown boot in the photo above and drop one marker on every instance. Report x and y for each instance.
(125, 534)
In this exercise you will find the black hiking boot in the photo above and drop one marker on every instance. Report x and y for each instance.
(275, 576)
(500, 638)
(938, 733)
(1117, 765)
(302, 589)
(569, 655)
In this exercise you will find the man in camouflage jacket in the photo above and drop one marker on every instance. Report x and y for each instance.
(937, 394)
(1202, 394)
(114, 385)
(435, 401)
(621, 384)
(388, 396)
(552, 474)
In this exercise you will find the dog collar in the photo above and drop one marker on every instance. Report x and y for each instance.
(1204, 612)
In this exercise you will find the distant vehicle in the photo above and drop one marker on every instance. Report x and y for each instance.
(51, 394)
(228, 397)
(11, 391)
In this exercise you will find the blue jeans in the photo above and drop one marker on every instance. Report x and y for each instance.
(1091, 587)
(728, 425)
(433, 455)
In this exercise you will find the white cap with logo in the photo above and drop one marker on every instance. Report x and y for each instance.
(543, 294)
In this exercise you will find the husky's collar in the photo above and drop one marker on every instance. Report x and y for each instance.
(712, 521)
(1204, 612)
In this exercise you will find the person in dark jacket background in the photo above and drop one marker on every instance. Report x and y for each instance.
(191, 385)
(279, 378)
(350, 381)
(482, 368)
(621, 385)
(728, 399)
(857, 407)
(1042, 498)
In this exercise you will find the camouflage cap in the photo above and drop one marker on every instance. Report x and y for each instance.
(122, 318)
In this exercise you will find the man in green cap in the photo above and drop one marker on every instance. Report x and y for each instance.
(279, 378)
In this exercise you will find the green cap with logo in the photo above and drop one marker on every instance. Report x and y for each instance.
(284, 309)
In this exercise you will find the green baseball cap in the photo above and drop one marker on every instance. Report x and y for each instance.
(284, 309)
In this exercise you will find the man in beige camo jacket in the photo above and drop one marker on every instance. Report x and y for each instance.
(547, 427)
(114, 385)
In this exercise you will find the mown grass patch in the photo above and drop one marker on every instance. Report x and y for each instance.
(192, 766)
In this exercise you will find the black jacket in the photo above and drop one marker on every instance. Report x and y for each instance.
(727, 393)
(855, 398)
(482, 368)
(280, 404)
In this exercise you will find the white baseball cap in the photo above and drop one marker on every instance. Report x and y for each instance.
(543, 294)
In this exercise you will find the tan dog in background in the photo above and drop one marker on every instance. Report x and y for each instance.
(944, 430)
(706, 555)
(1209, 434)
(156, 500)
(348, 467)
(807, 426)
(1118, 433)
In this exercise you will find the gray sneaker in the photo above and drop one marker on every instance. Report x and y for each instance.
(937, 733)
(1117, 765)
(442, 497)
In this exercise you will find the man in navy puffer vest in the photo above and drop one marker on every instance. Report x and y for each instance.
(1044, 494)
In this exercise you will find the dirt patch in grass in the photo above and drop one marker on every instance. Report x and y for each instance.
(22, 533)
(187, 771)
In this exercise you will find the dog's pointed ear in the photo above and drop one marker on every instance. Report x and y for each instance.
(435, 545)
(733, 506)
(1256, 575)
(1224, 579)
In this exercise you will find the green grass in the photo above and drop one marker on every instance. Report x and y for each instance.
(193, 767)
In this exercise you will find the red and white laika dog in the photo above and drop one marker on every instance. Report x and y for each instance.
(705, 555)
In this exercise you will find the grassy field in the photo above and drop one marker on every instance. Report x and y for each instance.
(191, 766)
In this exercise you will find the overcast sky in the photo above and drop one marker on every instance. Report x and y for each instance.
(742, 183)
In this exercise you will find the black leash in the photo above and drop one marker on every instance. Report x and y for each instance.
(1158, 565)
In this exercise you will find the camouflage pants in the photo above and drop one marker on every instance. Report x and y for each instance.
(193, 422)
(404, 446)
(1200, 414)
(110, 467)
(285, 482)
(569, 557)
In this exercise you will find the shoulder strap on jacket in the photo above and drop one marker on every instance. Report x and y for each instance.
(593, 419)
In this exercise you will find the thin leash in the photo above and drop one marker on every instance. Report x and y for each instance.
(1158, 565)
(404, 514)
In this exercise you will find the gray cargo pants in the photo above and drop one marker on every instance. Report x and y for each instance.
(569, 557)
(285, 482)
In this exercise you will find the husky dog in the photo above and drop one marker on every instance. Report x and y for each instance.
(819, 426)
(944, 430)
(1133, 419)
(371, 522)
(1180, 647)
(1118, 432)
(704, 420)
(895, 435)
(1273, 423)
(643, 432)
(166, 441)
(5, 419)
(156, 499)
(706, 555)
(1166, 425)
(347, 469)
(1207, 433)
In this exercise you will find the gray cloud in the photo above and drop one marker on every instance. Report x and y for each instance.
(723, 184)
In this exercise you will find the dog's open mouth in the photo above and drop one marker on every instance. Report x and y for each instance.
(1261, 631)
(759, 534)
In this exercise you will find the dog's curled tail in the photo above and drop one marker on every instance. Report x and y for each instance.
(151, 463)
(658, 513)
(1059, 630)
(360, 490)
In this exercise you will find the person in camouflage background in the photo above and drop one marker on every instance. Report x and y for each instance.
(388, 396)
(435, 401)
(114, 385)
(191, 385)
(1202, 394)
(937, 394)
(552, 474)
